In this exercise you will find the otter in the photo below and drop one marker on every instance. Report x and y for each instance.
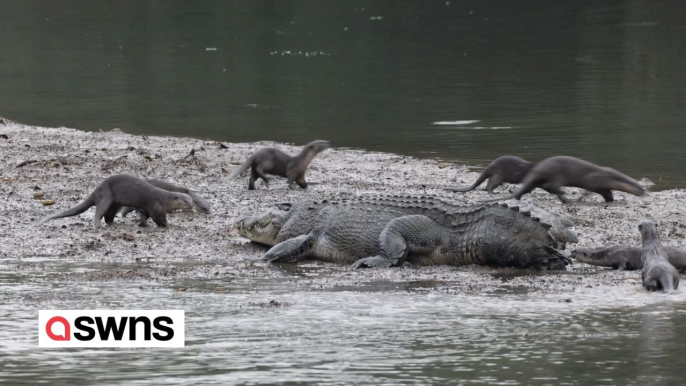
(274, 161)
(122, 190)
(199, 203)
(657, 274)
(553, 173)
(626, 258)
(507, 168)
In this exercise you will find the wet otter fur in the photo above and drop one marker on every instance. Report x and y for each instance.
(657, 274)
(122, 190)
(626, 258)
(199, 203)
(507, 168)
(553, 173)
(274, 161)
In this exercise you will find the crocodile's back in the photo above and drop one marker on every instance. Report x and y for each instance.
(484, 234)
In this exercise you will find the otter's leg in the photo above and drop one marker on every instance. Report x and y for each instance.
(296, 175)
(291, 250)
(253, 177)
(126, 210)
(160, 218)
(143, 220)
(158, 215)
(493, 182)
(527, 188)
(260, 170)
(301, 181)
(101, 208)
(111, 214)
(651, 284)
(607, 194)
(556, 190)
(618, 260)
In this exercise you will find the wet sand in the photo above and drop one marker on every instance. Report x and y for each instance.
(64, 165)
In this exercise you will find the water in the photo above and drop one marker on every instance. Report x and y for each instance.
(462, 81)
(599, 80)
(388, 333)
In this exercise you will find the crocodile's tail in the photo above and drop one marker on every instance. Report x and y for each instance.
(510, 197)
(524, 243)
(553, 259)
(244, 166)
(570, 237)
(555, 262)
(482, 177)
(78, 209)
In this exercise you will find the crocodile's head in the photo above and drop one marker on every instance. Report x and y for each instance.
(263, 228)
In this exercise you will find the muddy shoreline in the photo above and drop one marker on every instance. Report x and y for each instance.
(64, 165)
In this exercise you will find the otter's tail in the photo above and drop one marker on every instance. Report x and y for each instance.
(667, 283)
(78, 209)
(200, 203)
(244, 166)
(476, 183)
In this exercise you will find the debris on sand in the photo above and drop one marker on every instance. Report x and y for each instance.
(335, 174)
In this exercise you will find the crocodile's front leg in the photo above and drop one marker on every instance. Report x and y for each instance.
(414, 233)
(291, 250)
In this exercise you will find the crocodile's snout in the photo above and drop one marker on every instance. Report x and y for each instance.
(244, 225)
(262, 229)
(240, 223)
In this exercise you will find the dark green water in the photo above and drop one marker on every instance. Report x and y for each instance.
(603, 81)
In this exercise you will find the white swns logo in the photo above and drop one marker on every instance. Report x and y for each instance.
(111, 328)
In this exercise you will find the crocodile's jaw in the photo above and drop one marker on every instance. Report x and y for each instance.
(263, 228)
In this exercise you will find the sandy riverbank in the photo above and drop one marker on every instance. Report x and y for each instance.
(65, 165)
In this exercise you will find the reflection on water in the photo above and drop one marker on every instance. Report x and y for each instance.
(599, 80)
(388, 334)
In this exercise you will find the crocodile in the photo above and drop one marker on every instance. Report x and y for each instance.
(559, 225)
(387, 231)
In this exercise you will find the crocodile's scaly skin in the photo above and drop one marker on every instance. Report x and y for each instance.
(436, 231)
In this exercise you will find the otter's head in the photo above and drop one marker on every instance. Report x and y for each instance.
(624, 183)
(180, 201)
(586, 255)
(265, 227)
(583, 255)
(200, 204)
(318, 146)
(648, 231)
